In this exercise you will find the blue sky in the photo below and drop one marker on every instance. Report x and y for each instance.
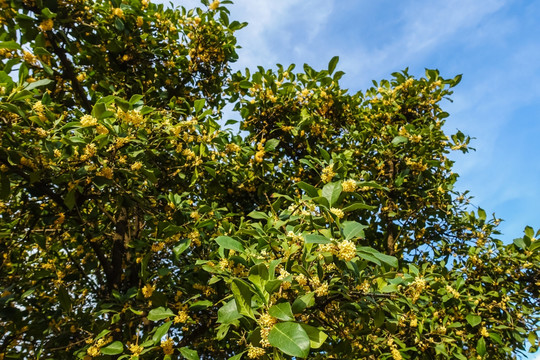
(493, 43)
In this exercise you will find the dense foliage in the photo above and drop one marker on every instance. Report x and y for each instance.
(134, 224)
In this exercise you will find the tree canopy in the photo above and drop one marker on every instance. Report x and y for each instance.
(134, 223)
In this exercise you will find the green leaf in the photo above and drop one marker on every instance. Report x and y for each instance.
(367, 252)
(69, 200)
(114, 348)
(291, 338)
(302, 302)
(399, 139)
(357, 206)
(237, 357)
(271, 145)
(242, 296)
(282, 311)
(481, 346)
(180, 248)
(198, 105)
(159, 313)
(332, 64)
(316, 239)
(64, 298)
(228, 313)
(200, 305)
(161, 331)
(331, 192)
(229, 243)
(5, 186)
(387, 259)
(473, 320)
(119, 24)
(309, 189)
(189, 354)
(10, 45)
(37, 84)
(258, 215)
(316, 336)
(353, 229)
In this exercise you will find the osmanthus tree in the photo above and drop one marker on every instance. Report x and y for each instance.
(134, 224)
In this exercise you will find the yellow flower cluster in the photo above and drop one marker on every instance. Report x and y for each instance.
(322, 289)
(416, 166)
(230, 148)
(214, 5)
(181, 318)
(132, 117)
(328, 173)
(118, 12)
(484, 332)
(194, 236)
(255, 352)
(93, 351)
(259, 155)
(338, 212)
(30, 58)
(135, 349)
(167, 346)
(46, 25)
(88, 120)
(158, 246)
(266, 321)
(137, 165)
(297, 238)
(450, 290)
(349, 185)
(106, 172)
(147, 290)
(346, 250)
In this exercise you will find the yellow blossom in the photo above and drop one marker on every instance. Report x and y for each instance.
(347, 250)
(328, 173)
(338, 212)
(158, 246)
(135, 349)
(93, 351)
(349, 185)
(255, 352)
(118, 12)
(214, 5)
(102, 130)
(136, 166)
(106, 172)
(147, 290)
(484, 332)
(167, 346)
(181, 318)
(88, 120)
(322, 289)
(140, 21)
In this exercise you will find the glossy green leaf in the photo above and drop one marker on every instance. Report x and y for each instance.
(353, 229)
(189, 354)
(291, 338)
(228, 312)
(282, 311)
(229, 243)
(481, 346)
(160, 313)
(331, 192)
(316, 336)
(473, 320)
(114, 348)
(242, 296)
